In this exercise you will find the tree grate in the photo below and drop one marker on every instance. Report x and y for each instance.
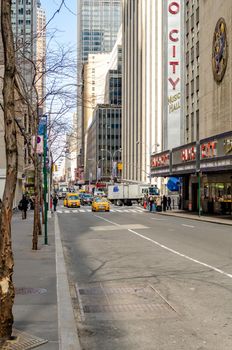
(124, 308)
(23, 341)
(105, 290)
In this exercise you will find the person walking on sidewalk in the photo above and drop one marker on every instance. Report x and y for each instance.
(169, 201)
(164, 202)
(24, 205)
(55, 201)
(151, 202)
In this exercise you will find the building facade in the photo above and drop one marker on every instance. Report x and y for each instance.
(24, 25)
(41, 55)
(104, 144)
(141, 87)
(98, 25)
(204, 161)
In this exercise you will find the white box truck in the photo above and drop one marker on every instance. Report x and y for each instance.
(125, 194)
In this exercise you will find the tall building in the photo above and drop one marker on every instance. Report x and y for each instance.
(192, 64)
(24, 25)
(99, 24)
(41, 55)
(142, 86)
(103, 131)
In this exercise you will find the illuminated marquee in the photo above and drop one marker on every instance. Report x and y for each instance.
(160, 160)
(209, 150)
(188, 154)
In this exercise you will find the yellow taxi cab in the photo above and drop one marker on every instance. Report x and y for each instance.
(72, 200)
(100, 204)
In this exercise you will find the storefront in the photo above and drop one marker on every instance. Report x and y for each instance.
(216, 170)
(206, 172)
(184, 164)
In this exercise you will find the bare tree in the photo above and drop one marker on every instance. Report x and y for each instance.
(7, 292)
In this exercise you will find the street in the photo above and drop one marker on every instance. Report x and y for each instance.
(146, 281)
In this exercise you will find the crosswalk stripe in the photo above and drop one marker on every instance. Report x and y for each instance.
(75, 211)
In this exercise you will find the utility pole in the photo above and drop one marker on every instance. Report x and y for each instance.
(45, 184)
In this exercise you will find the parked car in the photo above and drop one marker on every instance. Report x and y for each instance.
(72, 200)
(100, 204)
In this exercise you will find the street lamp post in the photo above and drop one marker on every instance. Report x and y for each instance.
(112, 157)
(100, 160)
(115, 152)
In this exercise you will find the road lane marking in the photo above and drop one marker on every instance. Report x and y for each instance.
(191, 226)
(158, 219)
(111, 222)
(182, 255)
(120, 227)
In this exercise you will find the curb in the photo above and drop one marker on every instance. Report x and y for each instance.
(202, 218)
(68, 338)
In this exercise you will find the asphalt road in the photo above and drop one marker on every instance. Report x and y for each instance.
(140, 280)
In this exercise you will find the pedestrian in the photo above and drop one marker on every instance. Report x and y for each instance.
(169, 201)
(164, 202)
(180, 202)
(23, 204)
(151, 201)
(145, 202)
(55, 201)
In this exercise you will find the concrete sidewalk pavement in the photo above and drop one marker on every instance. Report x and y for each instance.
(43, 315)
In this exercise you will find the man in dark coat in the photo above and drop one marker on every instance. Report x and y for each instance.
(164, 202)
(24, 205)
(55, 201)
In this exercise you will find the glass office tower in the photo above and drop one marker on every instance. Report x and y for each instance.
(99, 24)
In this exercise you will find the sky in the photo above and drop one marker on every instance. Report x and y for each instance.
(65, 21)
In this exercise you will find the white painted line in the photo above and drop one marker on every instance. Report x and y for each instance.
(158, 219)
(182, 255)
(68, 338)
(75, 211)
(111, 222)
(119, 227)
(81, 211)
(188, 226)
(67, 211)
(89, 210)
(59, 211)
(112, 210)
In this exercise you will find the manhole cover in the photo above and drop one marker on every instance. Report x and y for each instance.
(24, 291)
(23, 341)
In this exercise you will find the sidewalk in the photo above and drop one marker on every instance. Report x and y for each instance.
(222, 220)
(40, 280)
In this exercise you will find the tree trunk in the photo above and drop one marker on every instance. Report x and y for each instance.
(6, 255)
